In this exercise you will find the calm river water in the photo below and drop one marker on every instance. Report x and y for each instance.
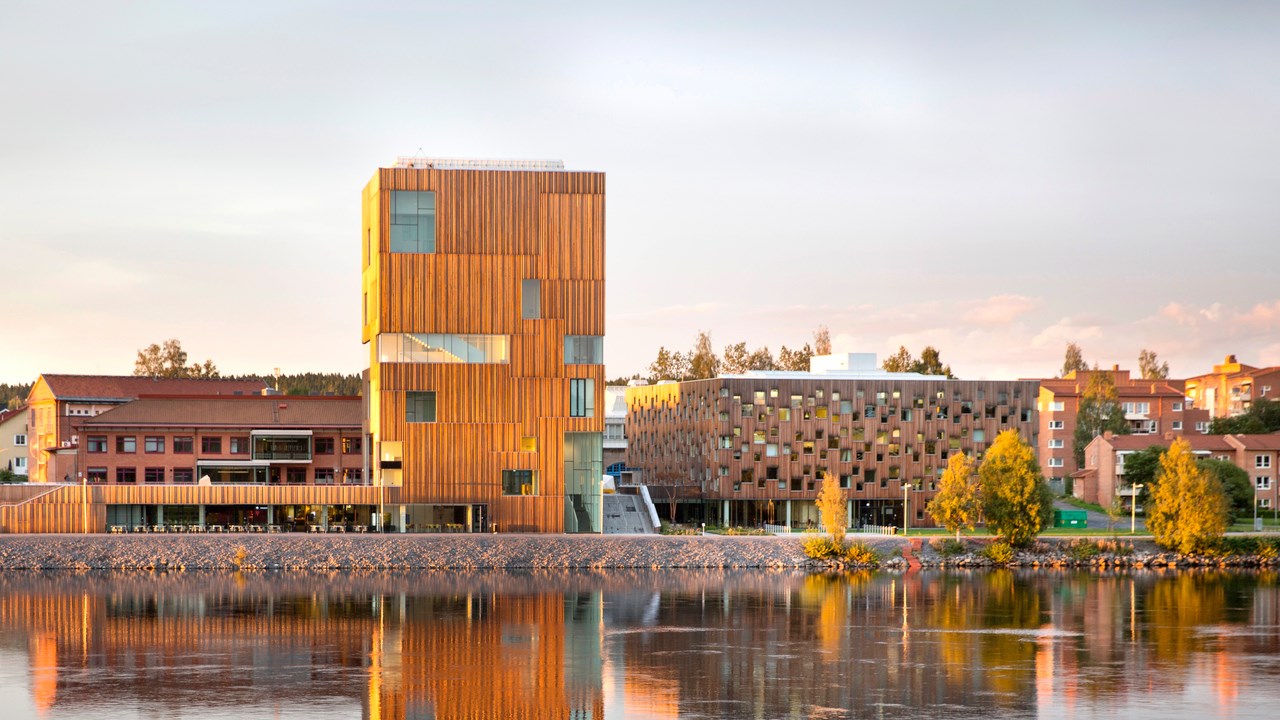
(640, 645)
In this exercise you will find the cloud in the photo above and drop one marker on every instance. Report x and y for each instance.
(1000, 309)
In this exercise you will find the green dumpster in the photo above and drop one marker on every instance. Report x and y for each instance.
(1070, 519)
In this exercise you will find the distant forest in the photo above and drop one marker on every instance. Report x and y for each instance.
(311, 383)
(11, 396)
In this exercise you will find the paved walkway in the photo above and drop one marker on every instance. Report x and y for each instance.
(1099, 521)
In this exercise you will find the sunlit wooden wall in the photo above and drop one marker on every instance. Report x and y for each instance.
(493, 230)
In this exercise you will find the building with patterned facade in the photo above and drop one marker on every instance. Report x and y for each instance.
(1151, 408)
(753, 448)
(483, 311)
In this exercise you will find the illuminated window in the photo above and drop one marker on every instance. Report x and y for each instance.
(519, 482)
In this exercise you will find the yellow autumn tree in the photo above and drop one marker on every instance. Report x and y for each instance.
(833, 508)
(1188, 509)
(957, 504)
(1016, 500)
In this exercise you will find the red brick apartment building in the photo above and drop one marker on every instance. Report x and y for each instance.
(1232, 387)
(217, 460)
(753, 448)
(59, 404)
(1103, 475)
(1151, 407)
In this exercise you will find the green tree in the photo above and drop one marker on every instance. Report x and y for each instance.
(1073, 360)
(665, 366)
(833, 508)
(1016, 500)
(1141, 467)
(703, 363)
(901, 361)
(1188, 508)
(1263, 416)
(737, 359)
(822, 341)
(762, 359)
(930, 363)
(958, 503)
(170, 361)
(1100, 411)
(797, 360)
(1151, 368)
(1235, 482)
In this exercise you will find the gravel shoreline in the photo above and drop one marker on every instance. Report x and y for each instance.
(396, 552)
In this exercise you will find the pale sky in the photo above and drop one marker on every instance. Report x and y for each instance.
(995, 179)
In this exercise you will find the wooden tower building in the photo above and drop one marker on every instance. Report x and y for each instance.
(483, 309)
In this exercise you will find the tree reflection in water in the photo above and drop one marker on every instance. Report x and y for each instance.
(638, 644)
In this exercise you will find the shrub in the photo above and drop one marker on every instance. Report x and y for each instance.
(1270, 549)
(950, 547)
(999, 552)
(1083, 549)
(238, 557)
(1116, 547)
(744, 531)
(820, 548)
(860, 553)
(1237, 545)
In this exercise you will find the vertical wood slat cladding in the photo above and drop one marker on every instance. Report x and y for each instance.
(674, 432)
(63, 510)
(494, 229)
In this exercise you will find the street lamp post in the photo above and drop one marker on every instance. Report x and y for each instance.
(905, 489)
(1133, 509)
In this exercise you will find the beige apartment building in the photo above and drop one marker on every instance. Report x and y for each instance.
(1151, 407)
(1232, 387)
(13, 440)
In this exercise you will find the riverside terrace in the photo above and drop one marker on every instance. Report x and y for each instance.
(753, 448)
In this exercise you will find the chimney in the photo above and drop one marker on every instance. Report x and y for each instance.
(1115, 368)
(1108, 435)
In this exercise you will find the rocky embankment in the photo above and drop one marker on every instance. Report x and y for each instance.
(1050, 554)
(393, 552)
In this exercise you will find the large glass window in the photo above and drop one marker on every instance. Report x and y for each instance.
(530, 299)
(443, 348)
(413, 221)
(420, 407)
(519, 482)
(269, 447)
(583, 350)
(582, 397)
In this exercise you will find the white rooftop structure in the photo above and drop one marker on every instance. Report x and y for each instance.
(846, 366)
(426, 163)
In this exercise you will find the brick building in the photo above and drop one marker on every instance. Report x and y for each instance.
(752, 448)
(1232, 387)
(1151, 407)
(58, 404)
(1103, 475)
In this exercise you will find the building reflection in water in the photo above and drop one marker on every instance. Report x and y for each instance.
(638, 644)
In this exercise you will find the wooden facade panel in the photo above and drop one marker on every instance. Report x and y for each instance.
(494, 229)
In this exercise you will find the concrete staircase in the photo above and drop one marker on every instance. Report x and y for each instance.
(626, 515)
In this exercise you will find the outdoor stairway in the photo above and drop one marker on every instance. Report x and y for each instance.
(626, 515)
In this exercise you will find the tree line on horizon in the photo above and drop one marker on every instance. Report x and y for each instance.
(702, 363)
